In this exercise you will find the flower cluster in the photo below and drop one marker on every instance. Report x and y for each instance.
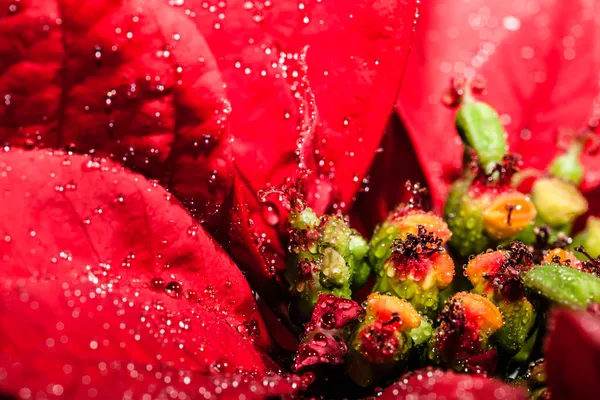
(419, 311)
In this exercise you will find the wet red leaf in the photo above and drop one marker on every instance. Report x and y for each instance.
(573, 355)
(105, 277)
(435, 383)
(134, 80)
(541, 63)
(355, 58)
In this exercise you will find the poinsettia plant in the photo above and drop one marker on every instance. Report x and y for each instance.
(219, 199)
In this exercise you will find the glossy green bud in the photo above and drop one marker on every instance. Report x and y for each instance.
(479, 127)
(563, 285)
(519, 318)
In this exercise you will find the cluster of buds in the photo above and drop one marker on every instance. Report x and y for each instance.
(326, 255)
(492, 205)
(483, 209)
(497, 275)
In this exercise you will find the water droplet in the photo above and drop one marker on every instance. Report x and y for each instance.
(193, 230)
(98, 54)
(128, 260)
(191, 296)
(173, 289)
(90, 165)
(328, 320)
(157, 284)
(270, 214)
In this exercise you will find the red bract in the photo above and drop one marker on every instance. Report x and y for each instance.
(105, 274)
(134, 80)
(355, 59)
(541, 62)
(573, 355)
(436, 383)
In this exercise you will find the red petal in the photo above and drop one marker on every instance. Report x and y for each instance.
(133, 79)
(355, 59)
(573, 355)
(435, 383)
(526, 55)
(98, 269)
(356, 56)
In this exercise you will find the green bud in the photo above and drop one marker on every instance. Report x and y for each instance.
(589, 238)
(558, 203)
(568, 166)
(304, 220)
(421, 334)
(358, 249)
(563, 285)
(479, 127)
(465, 219)
(335, 272)
(519, 318)
(381, 243)
(328, 257)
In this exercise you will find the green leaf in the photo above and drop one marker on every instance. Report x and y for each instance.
(564, 285)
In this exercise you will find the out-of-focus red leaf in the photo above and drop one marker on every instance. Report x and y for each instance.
(356, 56)
(133, 79)
(573, 355)
(132, 381)
(540, 59)
(105, 275)
(437, 384)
